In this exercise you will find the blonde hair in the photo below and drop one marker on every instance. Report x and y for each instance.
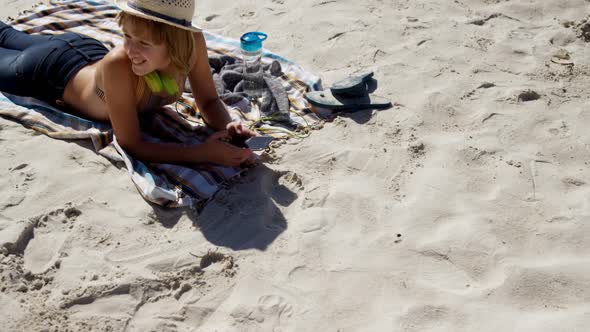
(180, 42)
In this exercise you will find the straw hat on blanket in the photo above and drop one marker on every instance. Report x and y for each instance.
(178, 13)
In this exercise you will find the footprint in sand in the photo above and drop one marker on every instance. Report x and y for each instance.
(313, 219)
(560, 129)
(25, 173)
(275, 305)
(15, 277)
(12, 200)
(479, 43)
(22, 237)
(315, 197)
(545, 286)
(476, 156)
(271, 312)
(521, 34)
(282, 186)
(425, 317)
(291, 180)
(19, 178)
(49, 235)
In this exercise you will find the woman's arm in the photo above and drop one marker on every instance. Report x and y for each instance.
(212, 108)
(119, 86)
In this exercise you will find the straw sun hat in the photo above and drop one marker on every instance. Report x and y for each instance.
(178, 13)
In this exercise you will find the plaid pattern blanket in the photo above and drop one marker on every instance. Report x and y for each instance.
(169, 185)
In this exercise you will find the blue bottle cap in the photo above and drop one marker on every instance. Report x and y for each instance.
(252, 41)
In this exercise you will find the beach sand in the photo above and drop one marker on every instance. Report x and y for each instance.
(462, 208)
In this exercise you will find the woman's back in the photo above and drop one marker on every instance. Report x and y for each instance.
(85, 92)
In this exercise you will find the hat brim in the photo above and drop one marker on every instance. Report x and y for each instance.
(122, 4)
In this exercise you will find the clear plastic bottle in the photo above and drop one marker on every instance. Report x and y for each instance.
(251, 48)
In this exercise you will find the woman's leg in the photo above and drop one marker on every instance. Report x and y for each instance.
(9, 80)
(41, 66)
(18, 40)
(20, 56)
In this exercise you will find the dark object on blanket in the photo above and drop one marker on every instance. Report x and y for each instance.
(255, 143)
(350, 94)
(239, 141)
(259, 143)
(228, 75)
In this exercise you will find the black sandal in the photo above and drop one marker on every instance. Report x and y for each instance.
(352, 93)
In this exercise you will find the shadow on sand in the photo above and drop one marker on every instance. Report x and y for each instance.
(244, 216)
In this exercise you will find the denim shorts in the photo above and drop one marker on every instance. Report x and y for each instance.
(47, 68)
(41, 66)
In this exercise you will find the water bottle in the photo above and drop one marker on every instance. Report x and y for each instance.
(251, 47)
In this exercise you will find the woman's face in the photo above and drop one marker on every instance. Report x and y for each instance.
(145, 55)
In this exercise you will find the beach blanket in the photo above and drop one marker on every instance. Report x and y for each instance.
(169, 185)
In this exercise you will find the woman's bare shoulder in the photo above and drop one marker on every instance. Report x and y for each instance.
(115, 68)
(116, 59)
(115, 75)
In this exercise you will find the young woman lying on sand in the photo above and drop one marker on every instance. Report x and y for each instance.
(78, 72)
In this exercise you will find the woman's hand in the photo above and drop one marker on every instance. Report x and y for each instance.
(238, 129)
(218, 151)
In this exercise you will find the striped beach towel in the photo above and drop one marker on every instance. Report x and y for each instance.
(168, 185)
